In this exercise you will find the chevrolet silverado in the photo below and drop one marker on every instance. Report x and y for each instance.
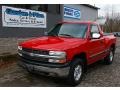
(67, 50)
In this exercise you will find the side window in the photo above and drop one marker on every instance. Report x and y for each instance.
(94, 29)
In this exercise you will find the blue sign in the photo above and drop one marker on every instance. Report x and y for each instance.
(24, 13)
(72, 13)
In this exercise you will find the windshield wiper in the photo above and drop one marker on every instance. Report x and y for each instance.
(66, 35)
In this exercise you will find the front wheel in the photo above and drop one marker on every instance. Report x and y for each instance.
(75, 73)
(109, 58)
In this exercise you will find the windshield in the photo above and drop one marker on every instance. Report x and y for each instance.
(69, 30)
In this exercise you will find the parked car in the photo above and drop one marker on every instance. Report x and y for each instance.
(67, 50)
(117, 34)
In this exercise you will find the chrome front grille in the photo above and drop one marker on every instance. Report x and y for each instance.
(43, 52)
(26, 54)
(34, 59)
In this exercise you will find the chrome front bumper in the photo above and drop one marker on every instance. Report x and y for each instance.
(60, 72)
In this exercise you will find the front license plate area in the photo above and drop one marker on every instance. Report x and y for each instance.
(37, 69)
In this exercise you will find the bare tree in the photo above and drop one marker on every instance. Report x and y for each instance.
(113, 19)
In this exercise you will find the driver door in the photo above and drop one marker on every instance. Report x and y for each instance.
(96, 46)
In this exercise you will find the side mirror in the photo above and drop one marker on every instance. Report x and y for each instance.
(96, 36)
(45, 33)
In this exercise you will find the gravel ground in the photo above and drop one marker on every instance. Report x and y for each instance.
(98, 75)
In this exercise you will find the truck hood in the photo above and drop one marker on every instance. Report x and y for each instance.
(52, 43)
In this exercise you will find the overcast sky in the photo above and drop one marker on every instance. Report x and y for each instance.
(108, 8)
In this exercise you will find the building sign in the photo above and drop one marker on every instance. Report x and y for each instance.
(16, 17)
(71, 12)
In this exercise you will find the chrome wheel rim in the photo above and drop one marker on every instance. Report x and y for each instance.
(77, 72)
(111, 56)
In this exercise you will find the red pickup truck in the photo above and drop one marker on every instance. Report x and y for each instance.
(67, 50)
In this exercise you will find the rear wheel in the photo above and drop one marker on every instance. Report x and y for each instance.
(109, 58)
(76, 72)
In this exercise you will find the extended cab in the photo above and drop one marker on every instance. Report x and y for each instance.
(67, 50)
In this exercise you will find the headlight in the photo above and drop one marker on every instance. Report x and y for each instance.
(57, 53)
(19, 47)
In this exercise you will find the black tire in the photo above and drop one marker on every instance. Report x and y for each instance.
(71, 77)
(109, 58)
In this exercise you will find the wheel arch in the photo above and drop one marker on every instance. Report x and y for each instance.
(113, 46)
(83, 56)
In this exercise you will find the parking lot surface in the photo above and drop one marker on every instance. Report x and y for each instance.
(98, 74)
